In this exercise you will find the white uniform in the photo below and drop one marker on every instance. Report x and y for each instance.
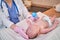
(23, 12)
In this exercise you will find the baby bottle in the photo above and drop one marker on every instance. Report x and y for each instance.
(34, 16)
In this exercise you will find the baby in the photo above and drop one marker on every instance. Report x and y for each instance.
(40, 26)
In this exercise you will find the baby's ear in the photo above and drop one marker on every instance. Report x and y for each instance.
(28, 22)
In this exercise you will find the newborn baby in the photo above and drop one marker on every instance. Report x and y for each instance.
(40, 27)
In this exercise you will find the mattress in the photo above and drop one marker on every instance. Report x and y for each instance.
(9, 34)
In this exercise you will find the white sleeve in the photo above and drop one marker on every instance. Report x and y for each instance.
(5, 18)
(24, 10)
(6, 21)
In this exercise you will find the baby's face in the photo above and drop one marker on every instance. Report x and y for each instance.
(32, 31)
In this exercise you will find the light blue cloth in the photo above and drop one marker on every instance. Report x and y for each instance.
(13, 12)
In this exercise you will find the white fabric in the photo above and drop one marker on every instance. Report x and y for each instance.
(9, 34)
(22, 11)
(0, 19)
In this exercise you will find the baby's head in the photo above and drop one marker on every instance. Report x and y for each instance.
(33, 30)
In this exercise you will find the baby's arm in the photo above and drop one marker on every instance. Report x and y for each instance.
(19, 31)
(46, 30)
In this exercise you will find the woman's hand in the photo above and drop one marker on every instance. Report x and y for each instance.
(13, 26)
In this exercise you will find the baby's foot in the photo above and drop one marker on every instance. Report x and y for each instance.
(56, 22)
(53, 18)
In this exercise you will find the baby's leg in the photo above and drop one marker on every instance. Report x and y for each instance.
(46, 30)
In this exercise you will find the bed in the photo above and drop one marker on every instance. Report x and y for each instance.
(9, 34)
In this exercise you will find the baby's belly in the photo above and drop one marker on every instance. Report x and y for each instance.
(43, 24)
